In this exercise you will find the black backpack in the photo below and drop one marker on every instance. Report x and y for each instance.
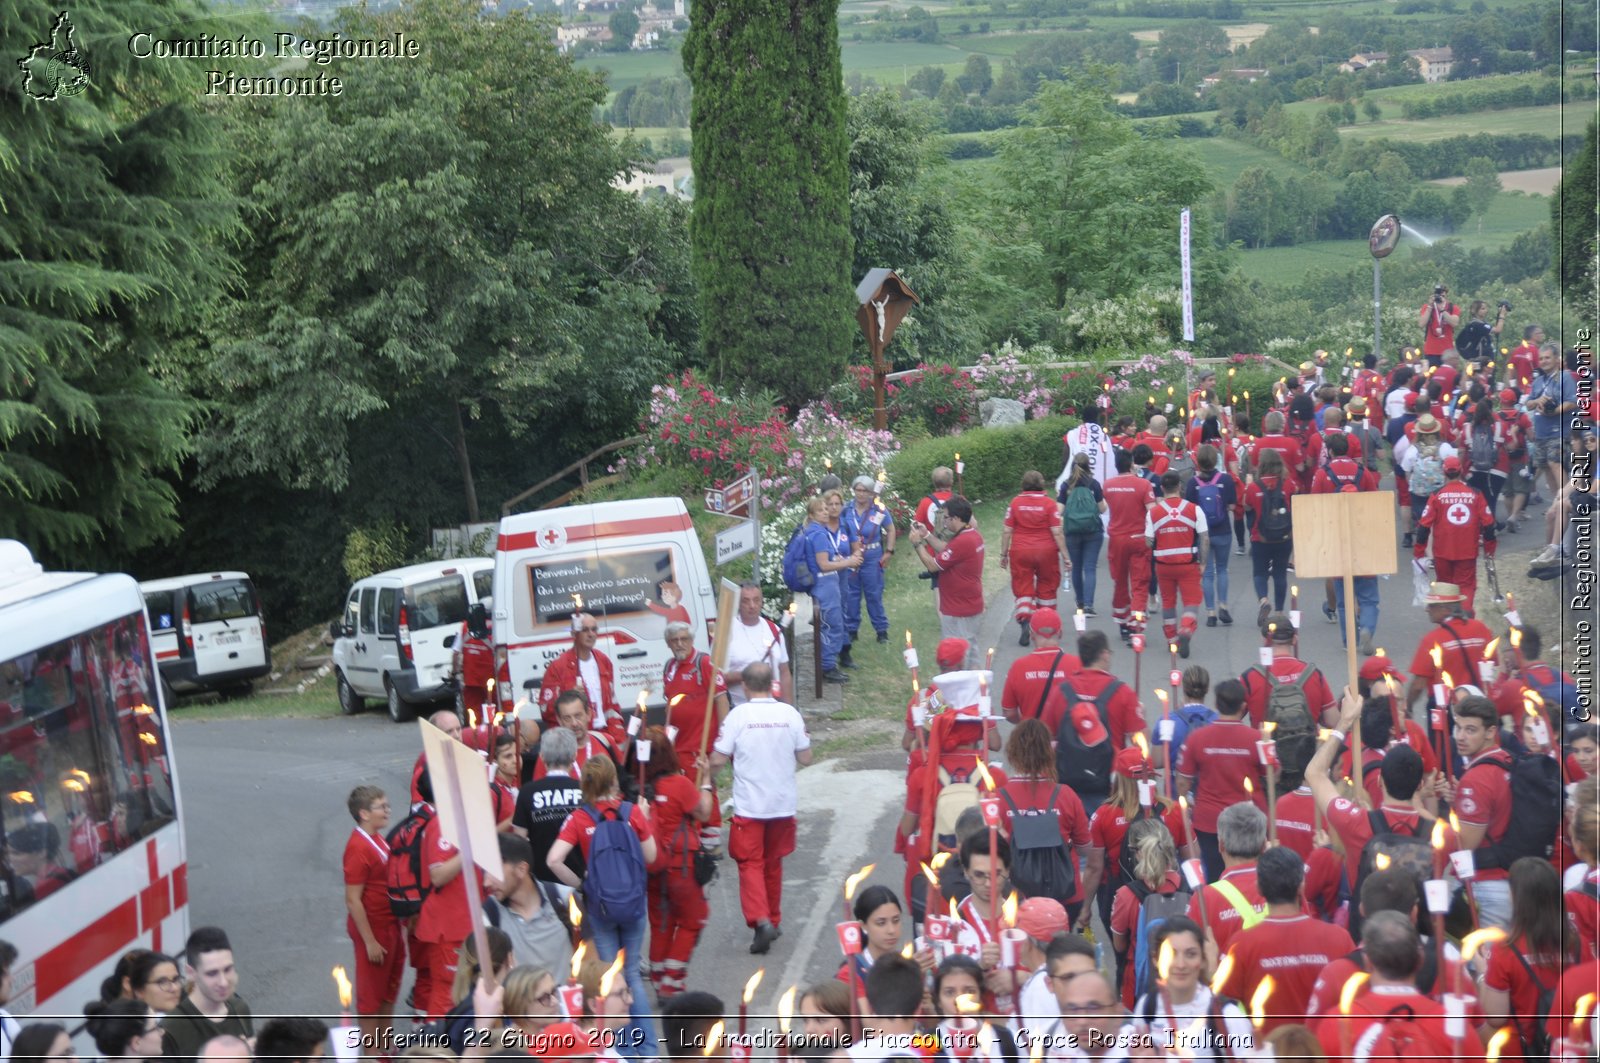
(1537, 799)
(1536, 1042)
(1040, 866)
(1086, 769)
(1276, 525)
(408, 884)
(1405, 850)
(1475, 343)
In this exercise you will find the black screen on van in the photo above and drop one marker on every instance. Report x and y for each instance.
(610, 585)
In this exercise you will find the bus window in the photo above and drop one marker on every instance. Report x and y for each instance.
(83, 763)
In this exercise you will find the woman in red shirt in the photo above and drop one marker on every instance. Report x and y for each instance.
(1032, 792)
(1109, 826)
(1155, 868)
(1033, 525)
(1533, 955)
(1270, 548)
(677, 903)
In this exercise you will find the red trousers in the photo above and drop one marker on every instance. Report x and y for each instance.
(1129, 559)
(1175, 581)
(678, 913)
(438, 961)
(1035, 576)
(1463, 573)
(758, 846)
(377, 984)
(416, 956)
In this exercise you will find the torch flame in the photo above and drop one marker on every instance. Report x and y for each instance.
(1267, 727)
(1008, 910)
(1582, 1010)
(714, 1037)
(1437, 655)
(908, 638)
(1140, 741)
(341, 980)
(786, 1008)
(1162, 694)
(472, 719)
(1473, 942)
(609, 979)
(149, 740)
(1381, 861)
(574, 913)
(955, 909)
(1516, 638)
(931, 875)
(1249, 787)
(967, 1004)
(1352, 987)
(143, 710)
(1532, 701)
(488, 686)
(22, 797)
(750, 986)
(643, 697)
(1437, 839)
(74, 785)
(1497, 1043)
(577, 601)
(1164, 961)
(1294, 591)
(1258, 1000)
(855, 880)
(983, 773)
(908, 952)
(1489, 650)
(675, 699)
(1172, 647)
(577, 959)
(1224, 972)
(941, 859)
(1448, 680)
(79, 773)
(1455, 824)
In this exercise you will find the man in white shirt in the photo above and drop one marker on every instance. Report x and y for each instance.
(764, 739)
(1091, 439)
(751, 638)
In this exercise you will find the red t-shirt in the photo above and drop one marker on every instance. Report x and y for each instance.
(675, 797)
(1024, 692)
(691, 679)
(1371, 1007)
(923, 506)
(1127, 497)
(1126, 717)
(1109, 826)
(1125, 920)
(960, 565)
(1583, 912)
(1506, 973)
(1446, 376)
(1030, 517)
(579, 828)
(366, 864)
(1575, 983)
(1070, 817)
(1255, 496)
(1159, 452)
(1220, 756)
(1222, 917)
(1319, 697)
(1438, 335)
(1461, 642)
(1483, 799)
(1285, 445)
(446, 912)
(1349, 471)
(1296, 823)
(1351, 823)
(1331, 982)
(1293, 950)
(1522, 360)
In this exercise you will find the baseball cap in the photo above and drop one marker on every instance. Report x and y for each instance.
(952, 652)
(1086, 721)
(1045, 621)
(1130, 763)
(1452, 464)
(1042, 918)
(1375, 668)
(1508, 396)
(1278, 627)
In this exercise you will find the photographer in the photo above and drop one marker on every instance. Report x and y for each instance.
(1478, 338)
(1552, 397)
(1439, 318)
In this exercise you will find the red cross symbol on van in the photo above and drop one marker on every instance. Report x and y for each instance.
(552, 537)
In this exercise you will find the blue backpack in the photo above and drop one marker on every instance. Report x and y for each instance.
(1209, 497)
(615, 879)
(799, 567)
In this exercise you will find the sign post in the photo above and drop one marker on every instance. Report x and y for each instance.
(740, 498)
(466, 819)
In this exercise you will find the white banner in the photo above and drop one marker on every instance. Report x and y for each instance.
(1188, 279)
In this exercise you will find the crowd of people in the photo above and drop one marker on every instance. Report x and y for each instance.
(1277, 865)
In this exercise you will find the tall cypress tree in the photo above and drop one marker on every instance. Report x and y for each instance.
(771, 228)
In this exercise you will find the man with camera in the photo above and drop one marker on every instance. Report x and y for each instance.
(1439, 318)
(1476, 343)
(958, 560)
(1551, 398)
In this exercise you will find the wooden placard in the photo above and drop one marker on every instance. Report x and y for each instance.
(1344, 533)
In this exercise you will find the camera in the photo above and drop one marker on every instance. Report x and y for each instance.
(1504, 306)
(1438, 291)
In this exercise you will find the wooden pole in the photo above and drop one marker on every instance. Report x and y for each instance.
(727, 606)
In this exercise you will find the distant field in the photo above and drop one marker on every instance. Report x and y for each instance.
(629, 68)
(1545, 121)
(1541, 182)
(1227, 159)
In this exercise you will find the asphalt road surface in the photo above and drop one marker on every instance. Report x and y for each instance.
(264, 801)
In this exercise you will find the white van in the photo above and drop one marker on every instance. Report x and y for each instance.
(616, 556)
(391, 641)
(207, 631)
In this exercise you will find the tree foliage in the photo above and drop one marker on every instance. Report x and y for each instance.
(1575, 218)
(771, 232)
(116, 212)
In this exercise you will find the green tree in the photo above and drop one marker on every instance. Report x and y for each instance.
(624, 25)
(976, 77)
(1253, 205)
(1371, 109)
(413, 274)
(928, 81)
(1483, 184)
(1573, 214)
(772, 199)
(117, 220)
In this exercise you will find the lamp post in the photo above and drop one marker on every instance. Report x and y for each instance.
(1381, 242)
(882, 302)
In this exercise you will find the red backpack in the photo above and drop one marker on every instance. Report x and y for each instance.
(1397, 1035)
(408, 885)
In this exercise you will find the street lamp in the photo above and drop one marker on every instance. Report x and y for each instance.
(1381, 241)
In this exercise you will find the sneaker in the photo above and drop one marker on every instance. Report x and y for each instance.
(1550, 553)
(1088, 610)
(766, 934)
(1211, 621)
(1329, 613)
(1238, 551)
(883, 636)
(1027, 632)
(1367, 648)
(1224, 616)
(1262, 614)
(1514, 525)
(1183, 644)
(1406, 540)
(1536, 499)
(833, 675)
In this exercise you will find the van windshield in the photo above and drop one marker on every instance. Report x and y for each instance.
(227, 599)
(436, 601)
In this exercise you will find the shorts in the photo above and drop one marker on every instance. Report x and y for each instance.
(1519, 478)
(1547, 451)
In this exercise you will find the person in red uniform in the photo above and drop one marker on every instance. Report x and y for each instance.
(1093, 676)
(1515, 429)
(955, 747)
(1033, 791)
(689, 680)
(1391, 1018)
(1180, 542)
(446, 919)
(1232, 901)
(944, 480)
(573, 713)
(1258, 680)
(1481, 800)
(1033, 548)
(1033, 675)
(1368, 382)
(678, 909)
(1524, 358)
(1530, 960)
(1438, 318)
(1302, 428)
(472, 661)
(447, 721)
(372, 926)
(1215, 762)
(1288, 945)
(1273, 438)
(1455, 518)
(585, 668)
(957, 559)
(1155, 437)
(1457, 641)
(1128, 497)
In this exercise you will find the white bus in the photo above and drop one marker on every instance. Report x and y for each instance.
(90, 827)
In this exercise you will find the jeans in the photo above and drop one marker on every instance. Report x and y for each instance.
(1084, 553)
(1273, 559)
(1210, 854)
(609, 939)
(826, 598)
(1366, 588)
(867, 580)
(1214, 580)
(1494, 902)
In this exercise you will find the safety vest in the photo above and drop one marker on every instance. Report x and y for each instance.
(1175, 527)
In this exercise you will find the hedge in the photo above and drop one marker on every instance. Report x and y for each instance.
(995, 458)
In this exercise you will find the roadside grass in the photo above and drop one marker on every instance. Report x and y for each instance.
(318, 702)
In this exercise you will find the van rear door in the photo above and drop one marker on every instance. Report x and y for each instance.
(163, 614)
(433, 610)
(226, 627)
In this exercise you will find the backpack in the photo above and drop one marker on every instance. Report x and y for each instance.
(1406, 850)
(1371, 445)
(1485, 441)
(1276, 524)
(1208, 495)
(1086, 769)
(1427, 475)
(799, 567)
(408, 887)
(1154, 910)
(1475, 342)
(1302, 433)
(1340, 484)
(935, 511)
(1124, 875)
(1082, 514)
(1397, 1035)
(614, 885)
(1039, 863)
(1427, 974)
(1536, 1042)
(1289, 707)
(1536, 806)
(958, 791)
(1556, 689)
(1183, 465)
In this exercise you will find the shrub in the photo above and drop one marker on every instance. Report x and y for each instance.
(995, 458)
(942, 397)
(1004, 375)
(374, 548)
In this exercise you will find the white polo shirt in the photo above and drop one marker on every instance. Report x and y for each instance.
(761, 737)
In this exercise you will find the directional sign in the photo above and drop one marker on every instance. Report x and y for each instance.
(734, 499)
(736, 541)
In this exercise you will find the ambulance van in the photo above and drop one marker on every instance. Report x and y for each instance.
(207, 632)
